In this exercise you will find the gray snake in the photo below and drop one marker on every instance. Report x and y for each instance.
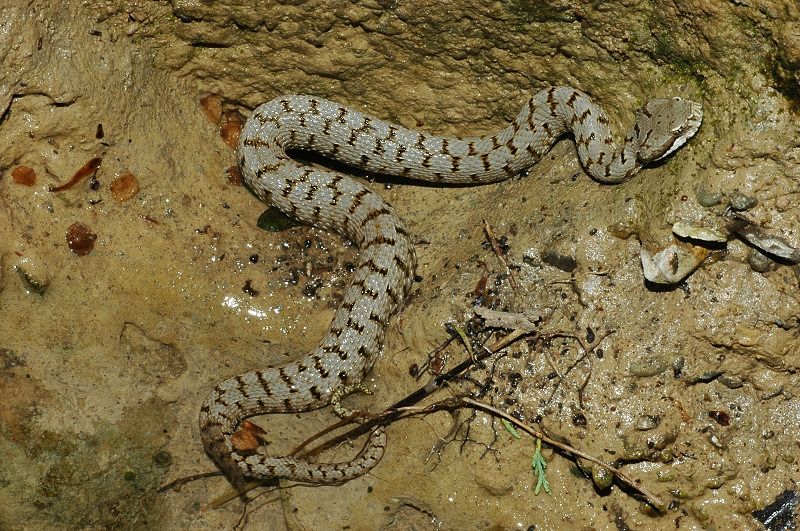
(385, 268)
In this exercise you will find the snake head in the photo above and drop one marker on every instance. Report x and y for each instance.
(664, 125)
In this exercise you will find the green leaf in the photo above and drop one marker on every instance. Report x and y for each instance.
(511, 429)
(539, 465)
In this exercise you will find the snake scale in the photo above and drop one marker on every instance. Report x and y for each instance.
(385, 267)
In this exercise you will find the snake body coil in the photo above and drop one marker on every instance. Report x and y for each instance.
(386, 262)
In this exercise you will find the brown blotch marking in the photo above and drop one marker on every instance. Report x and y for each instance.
(373, 267)
(343, 376)
(392, 132)
(402, 266)
(287, 404)
(445, 146)
(313, 103)
(547, 130)
(367, 122)
(352, 140)
(455, 163)
(327, 127)
(263, 383)
(584, 115)
(286, 106)
(352, 325)
(312, 190)
(475, 177)
(405, 172)
(320, 369)
(485, 159)
(292, 138)
(378, 149)
(335, 150)
(375, 318)
(551, 101)
(369, 293)
(314, 390)
(495, 143)
(426, 160)
(400, 152)
(603, 119)
(302, 121)
(380, 239)
(341, 115)
(364, 160)
(533, 153)
(348, 305)
(256, 142)
(508, 171)
(471, 149)
(362, 351)
(419, 144)
(397, 298)
(511, 147)
(357, 200)
(312, 138)
(572, 98)
(373, 214)
(286, 379)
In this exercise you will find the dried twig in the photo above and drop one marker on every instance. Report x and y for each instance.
(654, 500)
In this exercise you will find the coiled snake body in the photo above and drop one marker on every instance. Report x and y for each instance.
(386, 262)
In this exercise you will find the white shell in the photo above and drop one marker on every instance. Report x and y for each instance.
(686, 229)
(671, 265)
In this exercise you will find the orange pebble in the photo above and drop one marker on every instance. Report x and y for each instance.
(124, 187)
(232, 122)
(80, 239)
(212, 107)
(23, 175)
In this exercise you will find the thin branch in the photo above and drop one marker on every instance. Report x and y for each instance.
(654, 500)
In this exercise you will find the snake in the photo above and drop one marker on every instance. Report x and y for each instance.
(386, 262)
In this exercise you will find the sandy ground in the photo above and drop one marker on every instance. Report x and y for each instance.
(109, 342)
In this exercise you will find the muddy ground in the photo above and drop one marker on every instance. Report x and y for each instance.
(127, 295)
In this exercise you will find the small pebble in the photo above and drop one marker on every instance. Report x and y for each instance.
(232, 122)
(708, 199)
(647, 422)
(648, 367)
(212, 108)
(759, 261)
(23, 175)
(739, 201)
(80, 239)
(559, 261)
(124, 187)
